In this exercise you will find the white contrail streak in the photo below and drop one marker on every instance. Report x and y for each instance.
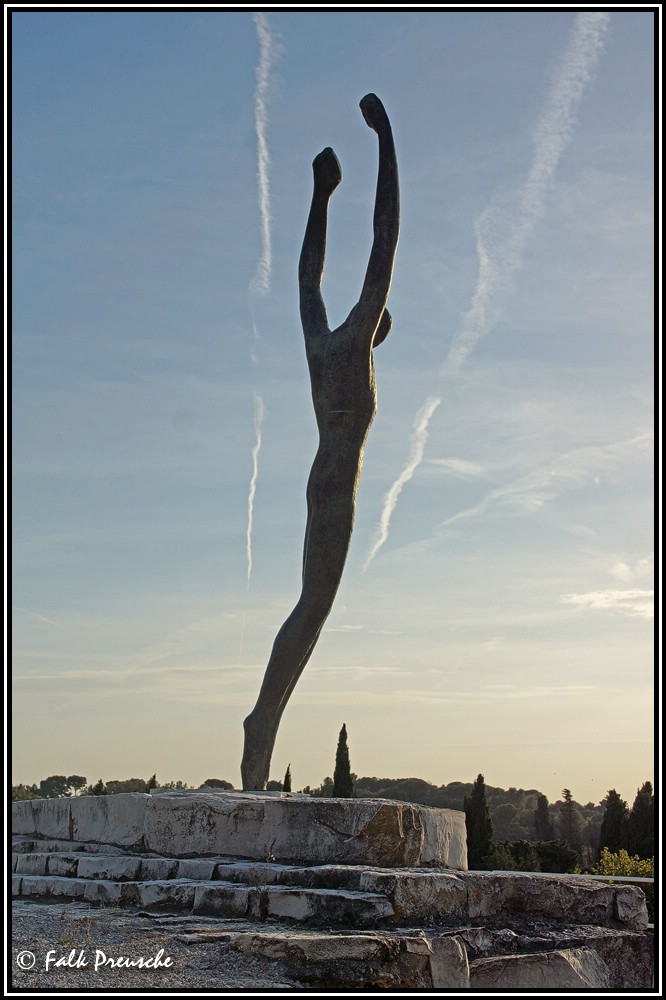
(262, 279)
(502, 232)
(258, 421)
(419, 438)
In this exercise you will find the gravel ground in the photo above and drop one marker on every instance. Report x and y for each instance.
(198, 949)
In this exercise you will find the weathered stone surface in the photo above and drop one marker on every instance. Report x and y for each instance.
(569, 969)
(116, 869)
(23, 820)
(360, 909)
(107, 819)
(300, 828)
(630, 907)
(64, 865)
(171, 894)
(52, 885)
(553, 898)
(357, 960)
(222, 899)
(420, 896)
(31, 864)
(258, 826)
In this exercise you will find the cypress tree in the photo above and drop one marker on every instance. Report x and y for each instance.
(479, 825)
(286, 784)
(570, 821)
(613, 832)
(343, 786)
(543, 827)
(640, 823)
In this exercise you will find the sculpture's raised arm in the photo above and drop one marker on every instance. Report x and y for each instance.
(377, 283)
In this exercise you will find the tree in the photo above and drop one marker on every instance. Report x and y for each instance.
(570, 821)
(286, 784)
(613, 831)
(640, 823)
(53, 787)
(479, 825)
(343, 786)
(76, 782)
(152, 783)
(217, 783)
(98, 789)
(543, 826)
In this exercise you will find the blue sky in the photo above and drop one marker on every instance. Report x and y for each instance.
(495, 614)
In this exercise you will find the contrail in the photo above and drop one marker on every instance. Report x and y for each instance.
(261, 282)
(502, 232)
(419, 438)
(258, 421)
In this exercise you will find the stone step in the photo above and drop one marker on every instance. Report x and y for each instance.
(214, 898)
(426, 896)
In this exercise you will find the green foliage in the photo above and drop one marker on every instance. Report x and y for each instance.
(128, 785)
(152, 783)
(286, 784)
(217, 783)
(479, 826)
(622, 863)
(273, 786)
(97, 789)
(556, 856)
(20, 793)
(343, 785)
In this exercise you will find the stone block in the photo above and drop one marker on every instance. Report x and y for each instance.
(630, 907)
(493, 895)
(221, 899)
(568, 969)
(52, 817)
(158, 869)
(109, 819)
(196, 868)
(31, 864)
(303, 829)
(63, 865)
(420, 896)
(23, 819)
(171, 894)
(17, 881)
(449, 966)
(356, 960)
(51, 885)
(114, 868)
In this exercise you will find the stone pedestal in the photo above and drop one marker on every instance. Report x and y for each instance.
(264, 826)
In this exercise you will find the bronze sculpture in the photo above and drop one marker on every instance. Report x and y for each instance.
(342, 377)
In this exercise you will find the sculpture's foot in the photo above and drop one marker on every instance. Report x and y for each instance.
(327, 170)
(373, 111)
(257, 752)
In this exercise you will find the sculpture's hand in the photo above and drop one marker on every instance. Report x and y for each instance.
(373, 112)
(327, 171)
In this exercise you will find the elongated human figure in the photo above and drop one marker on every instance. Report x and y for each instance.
(342, 377)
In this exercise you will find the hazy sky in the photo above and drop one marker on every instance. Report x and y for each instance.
(495, 614)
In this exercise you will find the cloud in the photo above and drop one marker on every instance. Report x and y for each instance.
(419, 438)
(637, 603)
(503, 228)
(621, 571)
(568, 471)
(261, 282)
(258, 421)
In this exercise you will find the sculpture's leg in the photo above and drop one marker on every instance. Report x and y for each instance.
(328, 536)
